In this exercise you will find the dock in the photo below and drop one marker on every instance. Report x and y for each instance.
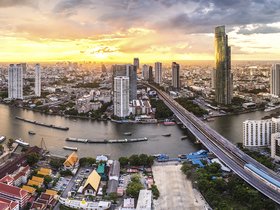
(42, 124)
(105, 141)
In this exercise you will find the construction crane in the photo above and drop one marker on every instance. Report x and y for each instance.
(43, 145)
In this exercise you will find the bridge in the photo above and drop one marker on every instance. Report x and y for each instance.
(227, 152)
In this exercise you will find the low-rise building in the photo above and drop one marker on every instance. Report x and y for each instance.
(6, 204)
(92, 184)
(13, 193)
(140, 107)
(71, 162)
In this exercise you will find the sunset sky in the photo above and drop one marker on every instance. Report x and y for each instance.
(153, 30)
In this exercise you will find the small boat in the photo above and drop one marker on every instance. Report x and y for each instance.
(21, 142)
(70, 148)
(2, 138)
(184, 137)
(31, 132)
(127, 133)
(169, 123)
(166, 135)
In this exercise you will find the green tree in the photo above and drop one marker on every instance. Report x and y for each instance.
(47, 180)
(56, 163)
(10, 143)
(32, 158)
(1, 148)
(123, 161)
(134, 160)
(155, 191)
(113, 197)
(134, 187)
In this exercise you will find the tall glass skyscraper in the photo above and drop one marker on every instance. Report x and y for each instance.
(223, 82)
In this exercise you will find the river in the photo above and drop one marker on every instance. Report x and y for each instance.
(229, 126)
(94, 130)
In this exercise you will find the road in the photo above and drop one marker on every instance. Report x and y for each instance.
(228, 153)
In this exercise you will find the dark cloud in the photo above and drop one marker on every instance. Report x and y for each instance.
(260, 29)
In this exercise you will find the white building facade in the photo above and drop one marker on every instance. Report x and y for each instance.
(275, 80)
(145, 72)
(257, 133)
(37, 80)
(15, 81)
(158, 72)
(275, 146)
(121, 96)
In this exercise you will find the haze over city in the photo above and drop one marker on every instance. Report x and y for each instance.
(118, 30)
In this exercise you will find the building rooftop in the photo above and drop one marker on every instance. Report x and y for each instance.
(71, 160)
(93, 180)
(12, 191)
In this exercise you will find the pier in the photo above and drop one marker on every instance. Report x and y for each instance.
(105, 141)
(42, 124)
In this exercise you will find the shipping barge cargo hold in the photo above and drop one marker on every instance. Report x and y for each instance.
(105, 141)
(42, 124)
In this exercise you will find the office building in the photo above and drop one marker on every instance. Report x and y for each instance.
(15, 81)
(121, 96)
(37, 80)
(257, 133)
(176, 76)
(136, 63)
(275, 146)
(128, 71)
(275, 80)
(145, 72)
(158, 72)
(223, 82)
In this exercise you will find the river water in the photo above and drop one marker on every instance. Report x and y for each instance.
(229, 126)
(94, 130)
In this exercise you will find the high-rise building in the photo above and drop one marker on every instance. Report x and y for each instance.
(151, 77)
(131, 72)
(145, 72)
(275, 80)
(15, 81)
(223, 77)
(103, 68)
(136, 63)
(24, 70)
(121, 96)
(257, 133)
(158, 72)
(176, 76)
(37, 80)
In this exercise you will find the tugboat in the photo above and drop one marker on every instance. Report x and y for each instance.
(166, 135)
(127, 133)
(31, 132)
(21, 142)
(70, 148)
(2, 138)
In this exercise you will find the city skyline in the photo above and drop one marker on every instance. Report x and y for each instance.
(117, 31)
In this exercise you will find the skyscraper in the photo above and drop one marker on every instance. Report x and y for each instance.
(131, 72)
(223, 76)
(275, 80)
(136, 63)
(121, 96)
(158, 72)
(151, 76)
(176, 76)
(145, 72)
(15, 81)
(37, 80)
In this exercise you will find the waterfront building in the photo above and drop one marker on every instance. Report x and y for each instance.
(121, 96)
(275, 80)
(128, 71)
(275, 146)
(37, 80)
(86, 104)
(144, 200)
(136, 63)
(223, 81)
(71, 162)
(15, 194)
(158, 72)
(15, 81)
(140, 107)
(176, 76)
(257, 133)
